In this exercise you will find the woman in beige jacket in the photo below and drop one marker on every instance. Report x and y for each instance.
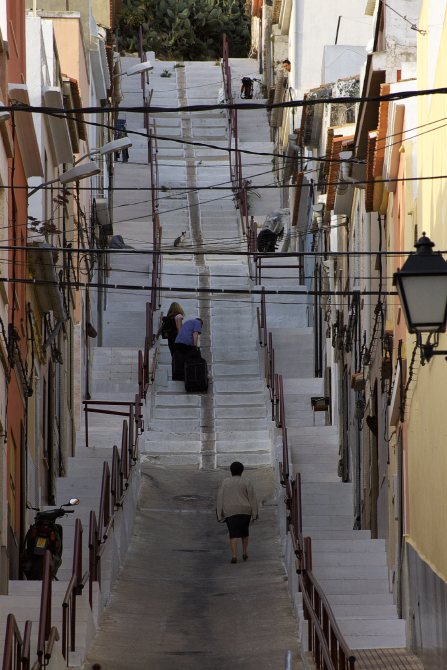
(237, 504)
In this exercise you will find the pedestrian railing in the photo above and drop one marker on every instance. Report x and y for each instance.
(47, 634)
(113, 493)
(75, 588)
(325, 640)
(234, 155)
(16, 654)
(133, 413)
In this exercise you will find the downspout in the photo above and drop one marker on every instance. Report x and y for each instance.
(72, 410)
(63, 408)
(399, 494)
(367, 242)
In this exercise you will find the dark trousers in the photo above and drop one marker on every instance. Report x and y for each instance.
(188, 350)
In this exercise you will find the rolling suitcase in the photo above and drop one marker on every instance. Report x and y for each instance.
(178, 366)
(196, 375)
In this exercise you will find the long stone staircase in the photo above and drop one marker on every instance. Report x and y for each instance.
(350, 567)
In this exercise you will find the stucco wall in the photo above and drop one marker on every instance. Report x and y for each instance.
(427, 418)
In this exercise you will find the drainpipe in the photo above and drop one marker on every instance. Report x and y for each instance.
(399, 529)
(367, 242)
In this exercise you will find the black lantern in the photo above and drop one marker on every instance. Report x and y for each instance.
(422, 288)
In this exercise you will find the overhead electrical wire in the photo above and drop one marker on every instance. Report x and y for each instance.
(247, 106)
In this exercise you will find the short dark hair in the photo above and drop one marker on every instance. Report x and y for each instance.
(236, 469)
(200, 321)
(286, 60)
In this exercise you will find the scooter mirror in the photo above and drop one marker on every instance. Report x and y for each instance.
(74, 501)
(28, 505)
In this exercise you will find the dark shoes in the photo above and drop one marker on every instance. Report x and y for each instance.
(234, 560)
(245, 556)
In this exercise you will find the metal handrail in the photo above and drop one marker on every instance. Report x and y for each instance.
(26, 649)
(16, 653)
(154, 366)
(52, 638)
(46, 632)
(113, 493)
(258, 261)
(104, 502)
(325, 616)
(108, 403)
(94, 558)
(69, 613)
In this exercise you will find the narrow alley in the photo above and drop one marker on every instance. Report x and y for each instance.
(178, 602)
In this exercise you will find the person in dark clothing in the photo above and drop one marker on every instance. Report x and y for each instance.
(171, 325)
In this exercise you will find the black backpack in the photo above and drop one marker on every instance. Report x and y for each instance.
(168, 327)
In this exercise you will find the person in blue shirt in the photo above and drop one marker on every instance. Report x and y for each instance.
(188, 337)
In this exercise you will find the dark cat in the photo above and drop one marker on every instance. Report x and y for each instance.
(178, 240)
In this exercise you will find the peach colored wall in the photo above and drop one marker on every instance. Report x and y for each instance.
(68, 32)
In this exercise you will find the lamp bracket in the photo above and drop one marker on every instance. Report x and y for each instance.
(429, 349)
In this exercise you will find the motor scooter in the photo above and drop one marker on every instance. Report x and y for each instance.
(44, 534)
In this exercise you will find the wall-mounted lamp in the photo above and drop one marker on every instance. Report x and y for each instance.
(74, 174)
(139, 68)
(109, 148)
(422, 287)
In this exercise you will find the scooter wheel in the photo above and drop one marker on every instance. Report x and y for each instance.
(36, 570)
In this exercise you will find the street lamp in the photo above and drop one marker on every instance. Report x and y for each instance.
(109, 148)
(422, 287)
(75, 174)
(139, 68)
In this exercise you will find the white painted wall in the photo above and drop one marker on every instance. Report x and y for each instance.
(3, 19)
(341, 61)
(313, 25)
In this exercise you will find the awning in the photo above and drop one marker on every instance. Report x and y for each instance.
(58, 127)
(26, 132)
(105, 63)
(100, 70)
(44, 269)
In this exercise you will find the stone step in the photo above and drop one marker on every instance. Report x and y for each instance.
(310, 471)
(248, 458)
(380, 611)
(241, 444)
(169, 459)
(174, 413)
(349, 546)
(327, 488)
(171, 401)
(245, 413)
(331, 559)
(239, 400)
(244, 425)
(334, 520)
(180, 426)
(353, 586)
(170, 446)
(319, 534)
(316, 458)
(373, 628)
(349, 573)
(232, 386)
